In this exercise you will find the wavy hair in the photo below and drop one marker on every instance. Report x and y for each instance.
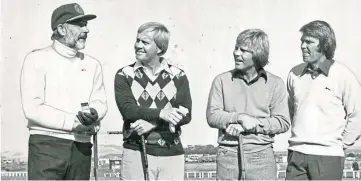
(160, 36)
(324, 33)
(255, 40)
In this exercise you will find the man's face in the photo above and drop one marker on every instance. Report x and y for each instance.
(311, 52)
(243, 58)
(76, 34)
(145, 48)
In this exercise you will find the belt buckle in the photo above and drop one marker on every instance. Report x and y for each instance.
(161, 142)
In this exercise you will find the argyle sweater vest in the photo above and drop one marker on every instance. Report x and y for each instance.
(138, 97)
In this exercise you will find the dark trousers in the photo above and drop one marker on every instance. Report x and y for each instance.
(314, 167)
(52, 158)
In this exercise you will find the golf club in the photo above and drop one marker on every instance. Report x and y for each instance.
(143, 150)
(95, 142)
(241, 157)
(145, 167)
(115, 132)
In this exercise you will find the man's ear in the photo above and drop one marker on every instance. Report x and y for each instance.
(61, 29)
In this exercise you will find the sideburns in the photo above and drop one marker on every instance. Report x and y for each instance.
(319, 48)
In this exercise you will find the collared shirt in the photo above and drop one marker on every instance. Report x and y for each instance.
(163, 66)
(264, 97)
(323, 68)
(261, 73)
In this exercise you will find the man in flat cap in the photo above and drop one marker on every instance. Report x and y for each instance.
(63, 99)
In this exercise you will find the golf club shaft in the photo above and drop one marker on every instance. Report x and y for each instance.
(95, 142)
(146, 172)
(115, 132)
(241, 155)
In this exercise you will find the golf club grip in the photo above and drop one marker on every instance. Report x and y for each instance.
(145, 158)
(95, 142)
(115, 132)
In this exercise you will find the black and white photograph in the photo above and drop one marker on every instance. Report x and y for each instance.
(180, 90)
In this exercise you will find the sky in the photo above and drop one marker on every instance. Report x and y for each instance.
(203, 35)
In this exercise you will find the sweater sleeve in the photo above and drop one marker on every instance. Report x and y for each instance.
(216, 116)
(127, 104)
(279, 121)
(98, 99)
(352, 102)
(183, 98)
(32, 85)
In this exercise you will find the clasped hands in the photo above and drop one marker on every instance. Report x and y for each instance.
(86, 123)
(171, 115)
(245, 124)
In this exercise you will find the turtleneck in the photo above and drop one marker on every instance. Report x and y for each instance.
(64, 50)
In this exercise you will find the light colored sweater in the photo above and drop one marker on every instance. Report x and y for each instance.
(326, 110)
(264, 98)
(54, 82)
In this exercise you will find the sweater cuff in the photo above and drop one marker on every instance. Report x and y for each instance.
(157, 114)
(69, 122)
(233, 120)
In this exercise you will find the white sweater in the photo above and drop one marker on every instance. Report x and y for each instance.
(326, 111)
(54, 82)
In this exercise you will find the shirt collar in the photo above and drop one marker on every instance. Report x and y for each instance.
(163, 66)
(323, 68)
(261, 73)
(64, 50)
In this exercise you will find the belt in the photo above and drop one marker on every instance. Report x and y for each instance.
(160, 142)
